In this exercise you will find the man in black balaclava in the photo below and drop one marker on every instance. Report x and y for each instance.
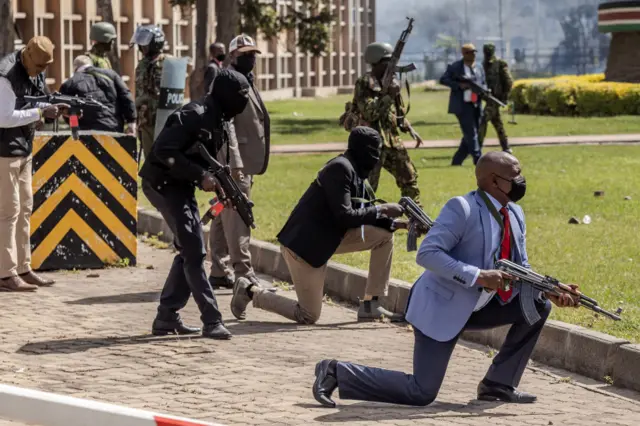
(248, 156)
(335, 215)
(169, 178)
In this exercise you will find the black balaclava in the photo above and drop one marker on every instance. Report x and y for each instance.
(364, 149)
(229, 93)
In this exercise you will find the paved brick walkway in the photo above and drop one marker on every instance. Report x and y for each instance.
(453, 143)
(89, 337)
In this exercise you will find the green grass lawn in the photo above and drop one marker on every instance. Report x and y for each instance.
(602, 257)
(302, 121)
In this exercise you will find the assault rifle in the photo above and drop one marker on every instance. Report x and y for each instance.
(231, 191)
(419, 222)
(389, 75)
(480, 90)
(76, 106)
(527, 280)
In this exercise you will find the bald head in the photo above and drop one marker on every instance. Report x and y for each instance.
(495, 172)
(217, 50)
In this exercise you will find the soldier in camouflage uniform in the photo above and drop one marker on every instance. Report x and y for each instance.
(150, 40)
(500, 82)
(102, 35)
(378, 110)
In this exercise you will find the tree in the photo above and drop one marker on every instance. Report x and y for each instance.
(7, 35)
(106, 11)
(204, 25)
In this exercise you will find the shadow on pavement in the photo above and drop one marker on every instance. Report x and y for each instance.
(144, 297)
(83, 344)
(376, 412)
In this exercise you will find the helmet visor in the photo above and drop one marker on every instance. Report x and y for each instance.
(141, 37)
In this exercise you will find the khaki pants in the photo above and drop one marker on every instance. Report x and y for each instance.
(15, 213)
(230, 236)
(309, 281)
(146, 139)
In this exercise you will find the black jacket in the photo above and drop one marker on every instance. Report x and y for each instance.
(107, 87)
(18, 141)
(210, 74)
(173, 159)
(326, 212)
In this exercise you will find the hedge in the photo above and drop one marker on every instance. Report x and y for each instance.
(570, 95)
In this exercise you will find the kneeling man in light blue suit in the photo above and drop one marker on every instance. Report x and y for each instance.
(459, 290)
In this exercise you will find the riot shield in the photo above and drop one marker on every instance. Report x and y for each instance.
(174, 75)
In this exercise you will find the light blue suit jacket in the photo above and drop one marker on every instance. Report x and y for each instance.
(458, 245)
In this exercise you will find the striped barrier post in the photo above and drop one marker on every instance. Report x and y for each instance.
(84, 200)
(48, 409)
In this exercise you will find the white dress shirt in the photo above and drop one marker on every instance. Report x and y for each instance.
(496, 237)
(9, 116)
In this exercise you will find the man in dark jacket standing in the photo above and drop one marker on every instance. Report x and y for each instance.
(464, 103)
(216, 58)
(21, 74)
(106, 87)
(169, 178)
(333, 217)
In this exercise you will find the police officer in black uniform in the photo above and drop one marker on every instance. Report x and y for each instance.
(169, 178)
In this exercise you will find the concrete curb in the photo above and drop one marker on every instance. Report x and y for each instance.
(453, 143)
(48, 409)
(571, 347)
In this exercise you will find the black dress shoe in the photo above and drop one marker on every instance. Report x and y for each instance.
(497, 392)
(162, 328)
(216, 331)
(220, 282)
(326, 382)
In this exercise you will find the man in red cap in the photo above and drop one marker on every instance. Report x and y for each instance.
(21, 74)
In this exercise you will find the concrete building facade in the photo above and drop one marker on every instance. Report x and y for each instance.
(283, 70)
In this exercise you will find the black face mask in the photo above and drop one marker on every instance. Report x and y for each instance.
(245, 63)
(364, 149)
(518, 188)
(230, 93)
(221, 57)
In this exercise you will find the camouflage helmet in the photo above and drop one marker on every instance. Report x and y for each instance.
(375, 52)
(102, 32)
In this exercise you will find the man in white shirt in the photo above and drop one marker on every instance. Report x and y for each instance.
(21, 74)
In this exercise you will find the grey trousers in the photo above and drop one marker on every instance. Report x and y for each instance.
(187, 276)
(229, 239)
(431, 358)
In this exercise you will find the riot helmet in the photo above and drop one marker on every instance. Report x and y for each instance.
(150, 37)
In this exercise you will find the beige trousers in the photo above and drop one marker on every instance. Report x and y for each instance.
(229, 239)
(309, 281)
(15, 214)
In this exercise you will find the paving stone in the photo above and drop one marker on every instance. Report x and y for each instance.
(91, 339)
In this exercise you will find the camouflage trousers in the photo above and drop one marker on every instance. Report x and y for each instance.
(492, 114)
(146, 139)
(396, 160)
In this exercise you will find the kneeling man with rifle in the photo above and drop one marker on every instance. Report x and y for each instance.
(182, 158)
(335, 215)
(462, 288)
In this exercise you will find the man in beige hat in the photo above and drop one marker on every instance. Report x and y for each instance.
(21, 74)
(464, 103)
(248, 155)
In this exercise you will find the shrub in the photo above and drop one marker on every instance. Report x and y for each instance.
(570, 95)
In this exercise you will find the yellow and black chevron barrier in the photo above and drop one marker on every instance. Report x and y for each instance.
(84, 200)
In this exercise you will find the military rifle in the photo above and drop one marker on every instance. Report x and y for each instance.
(231, 190)
(528, 279)
(76, 106)
(419, 222)
(480, 90)
(389, 75)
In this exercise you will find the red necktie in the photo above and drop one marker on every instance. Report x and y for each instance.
(505, 250)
